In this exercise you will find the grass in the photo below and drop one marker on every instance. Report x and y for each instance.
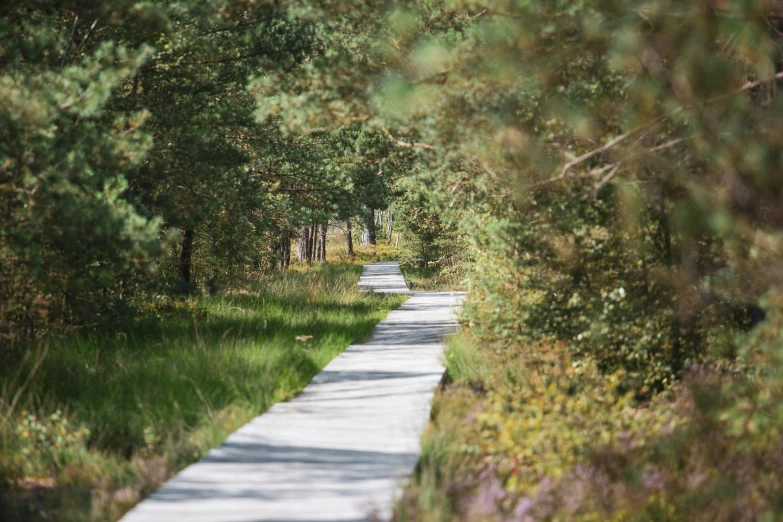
(434, 278)
(138, 405)
(337, 250)
(432, 494)
(451, 468)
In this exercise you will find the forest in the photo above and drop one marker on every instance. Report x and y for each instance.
(188, 190)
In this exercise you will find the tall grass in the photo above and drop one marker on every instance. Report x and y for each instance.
(337, 249)
(434, 278)
(444, 487)
(140, 404)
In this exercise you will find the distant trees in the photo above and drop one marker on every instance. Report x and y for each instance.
(312, 243)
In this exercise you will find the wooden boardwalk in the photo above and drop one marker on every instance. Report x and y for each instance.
(340, 449)
(383, 277)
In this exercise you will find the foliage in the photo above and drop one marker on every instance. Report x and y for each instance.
(426, 237)
(62, 157)
(529, 435)
(616, 169)
(582, 276)
(49, 442)
(718, 463)
(132, 161)
(591, 132)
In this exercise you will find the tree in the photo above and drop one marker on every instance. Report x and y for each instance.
(130, 133)
(69, 233)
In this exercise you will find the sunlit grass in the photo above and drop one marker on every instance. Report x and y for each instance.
(156, 396)
(337, 249)
(450, 465)
(434, 278)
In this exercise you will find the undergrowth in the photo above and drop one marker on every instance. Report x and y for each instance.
(526, 433)
(433, 278)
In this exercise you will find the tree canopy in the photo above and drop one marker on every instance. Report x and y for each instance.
(130, 133)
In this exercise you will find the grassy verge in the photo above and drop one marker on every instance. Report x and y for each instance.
(91, 424)
(526, 432)
(434, 278)
(517, 429)
(337, 251)
(450, 467)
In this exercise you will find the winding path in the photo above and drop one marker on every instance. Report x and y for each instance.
(340, 449)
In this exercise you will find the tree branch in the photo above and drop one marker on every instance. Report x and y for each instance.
(667, 145)
(606, 178)
(405, 144)
(584, 157)
(254, 55)
(615, 166)
(240, 25)
(752, 85)
(89, 32)
(67, 49)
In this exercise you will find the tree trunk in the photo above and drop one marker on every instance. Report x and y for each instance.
(186, 255)
(317, 256)
(368, 234)
(285, 249)
(389, 227)
(322, 245)
(349, 238)
(301, 250)
(311, 244)
(275, 247)
(282, 251)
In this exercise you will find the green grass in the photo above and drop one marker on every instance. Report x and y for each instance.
(158, 395)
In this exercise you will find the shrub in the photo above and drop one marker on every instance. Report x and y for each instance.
(48, 442)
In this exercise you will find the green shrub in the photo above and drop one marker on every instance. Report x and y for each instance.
(561, 440)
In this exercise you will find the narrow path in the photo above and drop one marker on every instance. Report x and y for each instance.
(340, 449)
(383, 277)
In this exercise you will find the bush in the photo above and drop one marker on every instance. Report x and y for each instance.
(48, 442)
(719, 463)
(550, 437)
